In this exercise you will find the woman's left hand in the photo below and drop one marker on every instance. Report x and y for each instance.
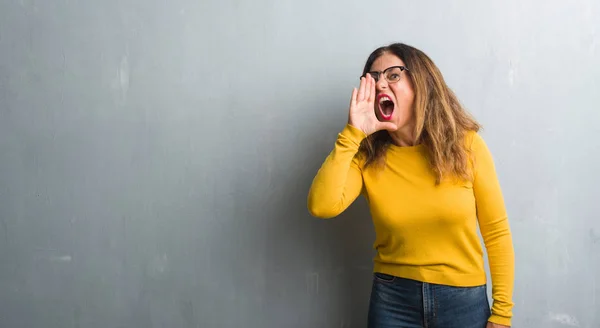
(495, 325)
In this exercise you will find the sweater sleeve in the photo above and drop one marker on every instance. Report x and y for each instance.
(495, 230)
(339, 180)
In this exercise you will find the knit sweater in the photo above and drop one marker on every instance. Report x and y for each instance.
(424, 231)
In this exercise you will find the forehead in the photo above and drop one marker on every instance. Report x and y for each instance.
(386, 60)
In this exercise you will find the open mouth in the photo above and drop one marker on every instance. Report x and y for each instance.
(386, 106)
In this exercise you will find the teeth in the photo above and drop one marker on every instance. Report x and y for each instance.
(382, 99)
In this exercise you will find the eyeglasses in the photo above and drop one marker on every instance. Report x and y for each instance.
(391, 74)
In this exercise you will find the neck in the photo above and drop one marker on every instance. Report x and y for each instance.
(404, 137)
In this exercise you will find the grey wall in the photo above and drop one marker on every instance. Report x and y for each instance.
(156, 155)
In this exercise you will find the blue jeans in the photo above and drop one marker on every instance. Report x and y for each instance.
(404, 303)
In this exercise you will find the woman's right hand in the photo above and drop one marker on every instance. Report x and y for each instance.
(362, 109)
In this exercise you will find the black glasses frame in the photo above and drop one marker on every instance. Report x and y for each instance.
(377, 74)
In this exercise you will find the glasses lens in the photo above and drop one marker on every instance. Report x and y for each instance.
(374, 75)
(393, 74)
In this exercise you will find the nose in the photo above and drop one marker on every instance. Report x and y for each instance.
(381, 84)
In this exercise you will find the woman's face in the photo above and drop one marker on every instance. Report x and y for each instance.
(394, 100)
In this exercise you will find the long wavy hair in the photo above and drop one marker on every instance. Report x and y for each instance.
(441, 122)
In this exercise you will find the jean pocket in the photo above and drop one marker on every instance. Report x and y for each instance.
(384, 277)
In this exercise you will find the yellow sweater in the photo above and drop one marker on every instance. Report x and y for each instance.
(423, 231)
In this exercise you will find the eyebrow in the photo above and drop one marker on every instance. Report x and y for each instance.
(397, 66)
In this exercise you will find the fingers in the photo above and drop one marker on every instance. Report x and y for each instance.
(361, 90)
(369, 94)
(353, 98)
(373, 91)
(366, 91)
(368, 85)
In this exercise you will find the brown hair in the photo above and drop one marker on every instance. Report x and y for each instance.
(441, 122)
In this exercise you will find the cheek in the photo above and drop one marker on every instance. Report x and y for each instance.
(404, 96)
(404, 101)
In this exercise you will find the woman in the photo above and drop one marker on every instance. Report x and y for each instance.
(415, 154)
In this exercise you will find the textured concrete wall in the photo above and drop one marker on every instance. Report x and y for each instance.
(155, 155)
